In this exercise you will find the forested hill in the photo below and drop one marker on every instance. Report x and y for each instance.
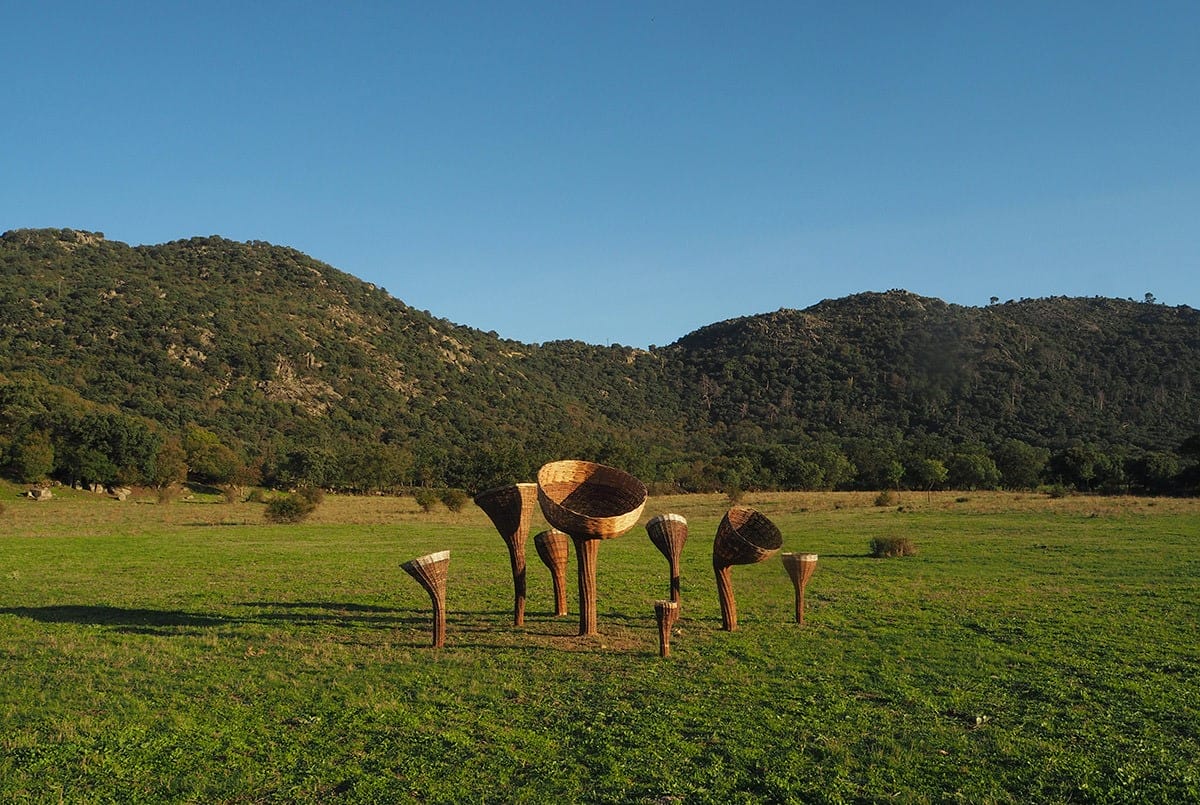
(241, 362)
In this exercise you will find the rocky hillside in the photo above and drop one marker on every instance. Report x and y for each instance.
(256, 361)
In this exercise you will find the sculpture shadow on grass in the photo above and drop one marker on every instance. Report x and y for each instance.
(168, 622)
(126, 619)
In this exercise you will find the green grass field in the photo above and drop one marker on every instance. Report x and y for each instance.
(1035, 650)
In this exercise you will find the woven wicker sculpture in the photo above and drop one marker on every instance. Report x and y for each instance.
(666, 612)
(552, 550)
(669, 532)
(744, 537)
(430, 572)
(589, 502)
(800, 567)
(511, 510)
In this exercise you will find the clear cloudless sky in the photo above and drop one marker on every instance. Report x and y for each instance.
(626, 172)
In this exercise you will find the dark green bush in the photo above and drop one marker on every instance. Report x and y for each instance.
(288, 509)
(887, 498)
(425, 498)
(889, 547)
(454, 499)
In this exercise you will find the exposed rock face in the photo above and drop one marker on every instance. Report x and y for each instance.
(40, 493)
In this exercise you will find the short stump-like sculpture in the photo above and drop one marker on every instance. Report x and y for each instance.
(552, 549)
(510, 509)
(589, 502)
(669, 532)
(744, 537)
(666, 612)
(430, 572)
(800, 567)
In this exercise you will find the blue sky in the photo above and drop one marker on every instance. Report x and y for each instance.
(626, 172)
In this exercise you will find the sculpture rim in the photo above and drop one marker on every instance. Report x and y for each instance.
(580, 524)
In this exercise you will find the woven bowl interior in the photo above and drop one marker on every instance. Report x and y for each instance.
(589, 496)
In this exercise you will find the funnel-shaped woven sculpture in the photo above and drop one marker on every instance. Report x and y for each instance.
(552, 549)
(589, 502)
(511, 510)
(666, 612)
(800, 567)
(430, 572)
(668, 532)
(744, 537)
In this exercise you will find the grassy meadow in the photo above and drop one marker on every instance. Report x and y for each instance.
(1034, 650)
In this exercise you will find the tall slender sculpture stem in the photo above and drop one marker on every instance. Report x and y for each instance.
(725, 596)
(586, 552)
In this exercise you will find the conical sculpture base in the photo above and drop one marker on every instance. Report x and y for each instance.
(744, 537)
(669, 532)
(510, 509)
(552, 548)
(666, 613)
(589, 502)
(800, 567)
(430, 572)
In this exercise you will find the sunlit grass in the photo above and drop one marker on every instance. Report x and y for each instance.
(1035, 649)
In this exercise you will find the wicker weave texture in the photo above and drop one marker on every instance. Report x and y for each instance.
(553, 548)
(589, 500)
(668, 532)
(430, 571)
(745, 536)
(510, 508)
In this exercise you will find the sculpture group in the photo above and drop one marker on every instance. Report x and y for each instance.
(586, 502)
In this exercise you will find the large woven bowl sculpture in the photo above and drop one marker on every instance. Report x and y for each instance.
(552, 549)
(589, 502)
(511, 510)
(430, 572)
(800, 567)
(669, 532)
(744, 537)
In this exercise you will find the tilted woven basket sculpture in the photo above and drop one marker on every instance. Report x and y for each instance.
(745, 536)
(588, 500)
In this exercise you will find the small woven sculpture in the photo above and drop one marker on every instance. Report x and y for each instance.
(744, 537)
(666, 612)
(800, 567)
(430, 572)
(552, 550)
(589, 502)
(669, 532)
(510, 509)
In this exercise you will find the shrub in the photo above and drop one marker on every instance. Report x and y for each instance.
(425, 498)
(887, 498)
(288, 509)
(735, 493)
(256, 496)
(888, 547)
(454, 499)
(313, 494)
(168, 493)
(231, 493)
